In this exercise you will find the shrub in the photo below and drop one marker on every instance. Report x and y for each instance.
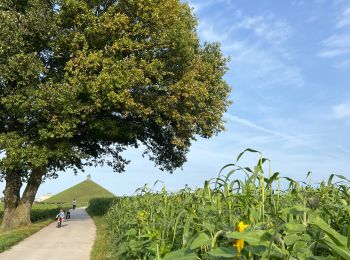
(99, 206)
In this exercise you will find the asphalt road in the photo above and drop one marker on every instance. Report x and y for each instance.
(73, 241)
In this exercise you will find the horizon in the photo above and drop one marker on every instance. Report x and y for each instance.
(157, 188)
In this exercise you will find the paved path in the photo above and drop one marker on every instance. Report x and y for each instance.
(73, 241)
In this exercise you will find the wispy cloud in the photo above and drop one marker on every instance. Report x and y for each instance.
(298, 2)
(273, 30)
(309, 141)
(312, 18)
(336, 45)
(268, 26)
(344, 19)
(341, 110)
(343, 64)
(261, 47)
(250, 124)
(199, 5)
(209, 33)
(271, 68)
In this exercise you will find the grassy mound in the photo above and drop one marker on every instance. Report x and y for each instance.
(83, 192)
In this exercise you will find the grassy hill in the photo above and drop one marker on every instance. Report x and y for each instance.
(83, 192)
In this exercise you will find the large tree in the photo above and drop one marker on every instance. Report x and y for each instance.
(81, 80)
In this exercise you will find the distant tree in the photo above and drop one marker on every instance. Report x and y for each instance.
(81, 80)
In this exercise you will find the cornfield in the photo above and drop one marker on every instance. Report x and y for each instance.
(233, 219)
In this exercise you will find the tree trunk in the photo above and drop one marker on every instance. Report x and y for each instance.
(11, 198)
(17, 210)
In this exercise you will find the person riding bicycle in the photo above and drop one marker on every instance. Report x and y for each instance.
(60, 217)
(74, 203)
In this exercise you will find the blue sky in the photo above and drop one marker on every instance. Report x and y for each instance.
(289, 71)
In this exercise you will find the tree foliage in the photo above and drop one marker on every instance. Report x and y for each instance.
(83, 79)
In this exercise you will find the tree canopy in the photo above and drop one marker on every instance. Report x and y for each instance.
(82, 79)
(86, 78)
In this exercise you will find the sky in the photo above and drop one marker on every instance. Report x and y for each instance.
(289, 72)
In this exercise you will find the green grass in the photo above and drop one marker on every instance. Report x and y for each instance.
(41, 216)
(83, 192)
(103, 245)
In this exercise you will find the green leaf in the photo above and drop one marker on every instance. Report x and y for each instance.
(176, 223)
(337, 238)
(291, 239)
(246, 150)
(338, 250)
(181, 254)
(225, 252)
(301, 249)
(201, 239)
(254, 216)
(342, 177)
(348, 242)
(272, 178)
(131, 232)
(256, 250)
(186, 233)
(210, 227)
(294, 227)
(274, 253)
(254, 237)
(296, 210)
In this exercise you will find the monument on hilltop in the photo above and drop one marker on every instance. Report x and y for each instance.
(82, 192)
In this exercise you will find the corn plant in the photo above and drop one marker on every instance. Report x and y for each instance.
(230, 218)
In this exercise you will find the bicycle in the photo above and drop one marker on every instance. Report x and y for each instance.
(59, 222)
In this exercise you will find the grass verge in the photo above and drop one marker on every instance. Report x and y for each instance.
(102, 249)
(103, 243)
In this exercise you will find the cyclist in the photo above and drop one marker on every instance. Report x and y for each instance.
(74, 203)
(60, 218)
